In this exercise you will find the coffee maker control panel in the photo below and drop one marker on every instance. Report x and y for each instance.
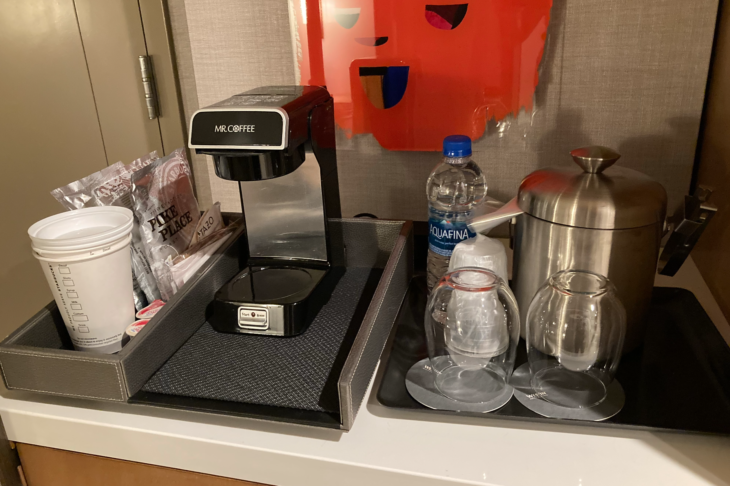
(253, 318)
(264, 319)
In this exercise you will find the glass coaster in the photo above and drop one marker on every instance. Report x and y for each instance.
(419, 383)
(610, 406)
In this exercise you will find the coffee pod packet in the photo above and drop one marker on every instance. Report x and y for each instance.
(165, 205)
(78, 194)
(117, 191)
(112, 186)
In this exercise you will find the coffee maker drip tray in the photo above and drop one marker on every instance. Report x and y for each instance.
(276, 299)
(274, 284)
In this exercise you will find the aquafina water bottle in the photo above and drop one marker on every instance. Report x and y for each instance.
(454, 188)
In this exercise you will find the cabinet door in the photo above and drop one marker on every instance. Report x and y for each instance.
(49, 136)
(72, 103)
(113, 39)
(44, 466)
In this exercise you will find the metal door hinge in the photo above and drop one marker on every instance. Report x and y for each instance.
(689, 223)
(148, 82)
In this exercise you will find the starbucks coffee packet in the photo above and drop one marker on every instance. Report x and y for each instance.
(112, 186)
(165, 205)
(78, 194)
(117, 191)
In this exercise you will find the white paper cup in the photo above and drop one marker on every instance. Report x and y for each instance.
(92, 286)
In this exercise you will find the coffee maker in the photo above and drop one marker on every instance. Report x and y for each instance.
(278, 143)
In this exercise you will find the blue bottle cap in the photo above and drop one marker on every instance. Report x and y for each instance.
(457, 146)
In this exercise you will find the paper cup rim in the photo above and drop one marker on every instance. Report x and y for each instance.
(100, 238)
(82, 255)
(61, 253)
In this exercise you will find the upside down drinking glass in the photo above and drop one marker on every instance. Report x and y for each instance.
(575, 330)
(472, 328)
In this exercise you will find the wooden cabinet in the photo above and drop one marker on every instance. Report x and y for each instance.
(711, 254)
(43, 466)
(71, 103)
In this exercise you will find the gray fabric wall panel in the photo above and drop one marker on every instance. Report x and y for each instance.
(628, 74)
(189, 92)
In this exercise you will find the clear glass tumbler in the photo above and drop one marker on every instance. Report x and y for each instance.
(575, 331)
(472, 328)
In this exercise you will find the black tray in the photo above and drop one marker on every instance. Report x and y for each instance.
(318, 378)
(291, 379)
(678, 380)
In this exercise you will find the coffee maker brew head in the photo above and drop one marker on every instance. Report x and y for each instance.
(278, 142)
(264, 133)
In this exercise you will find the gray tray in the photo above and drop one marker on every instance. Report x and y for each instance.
(38, 356)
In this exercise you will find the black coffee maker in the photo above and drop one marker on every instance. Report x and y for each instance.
(278, 142)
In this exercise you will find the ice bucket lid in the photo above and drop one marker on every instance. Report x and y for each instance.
(588, 197)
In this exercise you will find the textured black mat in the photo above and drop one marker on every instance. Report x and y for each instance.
(678, 380)
(298, 372)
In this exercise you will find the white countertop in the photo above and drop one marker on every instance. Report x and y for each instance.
(385, 446)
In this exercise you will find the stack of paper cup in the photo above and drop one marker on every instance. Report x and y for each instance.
(86, 258)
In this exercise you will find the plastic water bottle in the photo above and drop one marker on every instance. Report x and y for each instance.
(454, 188)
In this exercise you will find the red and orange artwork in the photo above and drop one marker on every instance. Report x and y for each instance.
(413, 72)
